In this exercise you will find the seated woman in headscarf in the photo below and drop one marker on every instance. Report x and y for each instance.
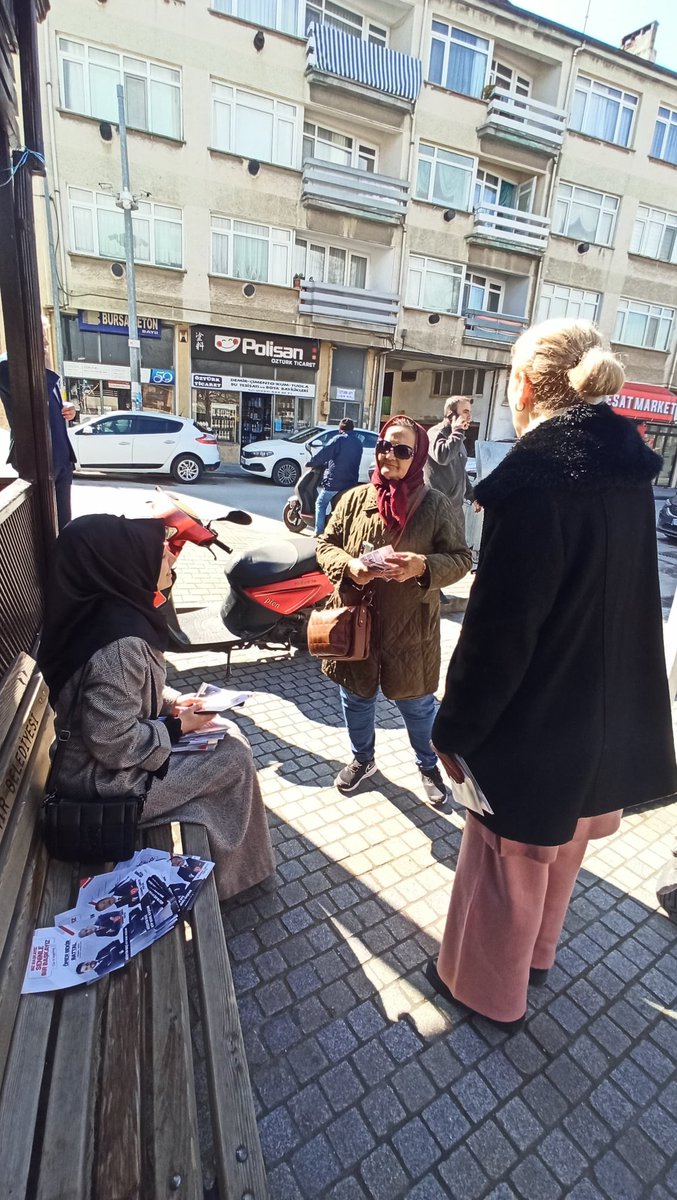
(102, 657)
(404, 662)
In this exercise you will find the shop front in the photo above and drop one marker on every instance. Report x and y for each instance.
(96, 362)
(248, 386)
(654, 409)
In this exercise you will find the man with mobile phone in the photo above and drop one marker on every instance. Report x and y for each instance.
(447, 455)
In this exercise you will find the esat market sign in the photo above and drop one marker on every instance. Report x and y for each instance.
(247, 348)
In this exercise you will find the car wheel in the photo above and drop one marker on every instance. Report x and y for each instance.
(186, 469)
(286, 473)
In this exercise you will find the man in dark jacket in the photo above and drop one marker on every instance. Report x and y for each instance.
(341, 457)
(63, 457)
(447, 455)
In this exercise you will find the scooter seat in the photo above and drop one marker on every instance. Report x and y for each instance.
(265, 564)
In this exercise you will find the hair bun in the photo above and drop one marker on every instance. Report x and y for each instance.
(599, 373)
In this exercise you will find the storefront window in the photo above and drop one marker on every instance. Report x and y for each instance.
(292, 415)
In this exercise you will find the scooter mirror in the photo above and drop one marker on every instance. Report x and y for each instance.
(237, 516)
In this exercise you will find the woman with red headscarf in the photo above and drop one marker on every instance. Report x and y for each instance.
(395, 508)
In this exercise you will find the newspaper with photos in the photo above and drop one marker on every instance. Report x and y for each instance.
(469, 793)
(206, 738)
(116, 915)
(218, 699)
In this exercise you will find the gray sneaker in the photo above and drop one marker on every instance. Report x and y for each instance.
(352, 775)
(434, 786)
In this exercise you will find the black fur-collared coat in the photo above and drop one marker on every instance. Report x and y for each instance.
(556, 694)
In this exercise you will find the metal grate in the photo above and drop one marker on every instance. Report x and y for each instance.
(21, 600)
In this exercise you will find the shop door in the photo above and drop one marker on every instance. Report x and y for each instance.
(106, 443)
(256, 423)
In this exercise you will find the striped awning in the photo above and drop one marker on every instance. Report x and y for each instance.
(376, 67)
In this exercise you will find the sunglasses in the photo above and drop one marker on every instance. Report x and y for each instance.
(385, 447)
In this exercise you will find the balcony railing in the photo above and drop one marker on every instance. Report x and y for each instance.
(332, 302)
(392, 74)
(521, 230)
(348, 189)
(522, 119)
(483, 326)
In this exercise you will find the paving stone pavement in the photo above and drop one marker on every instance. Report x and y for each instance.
(366, 1084)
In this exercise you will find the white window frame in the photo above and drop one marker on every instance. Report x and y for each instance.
(234, 102)
(301, 247)
(448, 35)
(507, 79)
(425, 265)
(579, 304)
(347, 20)
(357, 148)
(429, 153)
(654, 313)
(570, 194)
(152, 73)
(243, 10)
(455, 380)
(85, 201)
(491, 287)
(277, 239)
(650, 222)
(666, 122)
(590, 89)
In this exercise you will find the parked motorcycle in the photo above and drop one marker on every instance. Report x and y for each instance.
(269, 590)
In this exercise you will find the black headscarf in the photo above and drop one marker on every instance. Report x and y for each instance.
(102, 587)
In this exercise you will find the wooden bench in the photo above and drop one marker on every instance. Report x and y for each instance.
(98, 1098)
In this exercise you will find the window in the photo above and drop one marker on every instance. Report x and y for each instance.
(434, 285)
(585, 215)
(156, 425)
(664, 143)
(89, 78)
(326, 12)
(458, 60)
(258, 253)
(458, 383)
(507, 79)
(603, 112)
(118, 426)
(97, 227)
(654, 234)
(272, 14)
(480, 292)
(330, 264)
(647, 325)
(444, 177)
(252, 125)
(333, 147)
(558, 301)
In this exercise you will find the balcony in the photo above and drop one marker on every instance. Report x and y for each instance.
(528, 122)
(510, 229)
(498, 328)
(358, 193)
(334, 303)
(338, 60)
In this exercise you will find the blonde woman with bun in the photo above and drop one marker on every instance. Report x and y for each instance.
(556, 696)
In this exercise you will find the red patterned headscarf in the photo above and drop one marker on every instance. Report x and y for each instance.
(393, 496)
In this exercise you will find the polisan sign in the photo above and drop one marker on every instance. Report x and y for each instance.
(242, 346)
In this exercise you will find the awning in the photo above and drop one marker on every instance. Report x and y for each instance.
(646, 402)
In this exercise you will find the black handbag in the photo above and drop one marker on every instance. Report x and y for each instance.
(99, 830)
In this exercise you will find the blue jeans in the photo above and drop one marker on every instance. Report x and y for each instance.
(418, 715)
(324, 499)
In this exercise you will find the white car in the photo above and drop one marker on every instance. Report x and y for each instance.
(148, 442)
(283, 459)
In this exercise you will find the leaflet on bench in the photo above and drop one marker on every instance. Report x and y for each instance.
(116, 915)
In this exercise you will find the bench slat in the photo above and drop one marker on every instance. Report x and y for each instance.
(26, 1063)
(231, 1102)
(118, 1138)
(174, 1130)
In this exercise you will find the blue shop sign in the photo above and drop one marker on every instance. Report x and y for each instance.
(164, 377)
(112, 322)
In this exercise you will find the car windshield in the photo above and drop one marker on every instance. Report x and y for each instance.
(304, 435)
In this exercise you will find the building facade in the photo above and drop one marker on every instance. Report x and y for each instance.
(354, 209)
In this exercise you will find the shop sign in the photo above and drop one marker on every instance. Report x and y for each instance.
(112, 322)
(344, 393)
(113, 375)
(242, 383)
(164, 377)
(243, 346)
(645, 402)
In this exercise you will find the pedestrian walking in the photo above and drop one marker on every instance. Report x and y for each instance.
(341, 458)
(556, 696)
(405, 654)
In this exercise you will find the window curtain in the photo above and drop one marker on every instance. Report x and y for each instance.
(441, 292)
(111, 229)
(166, 109)
(74, 86)
(103, 97)
(466, 70)
(168, 244)
(250, 258)
(451, 186)
(220, 253)
(83, 230)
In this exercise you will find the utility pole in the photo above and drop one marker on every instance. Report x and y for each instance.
(128, 203)
(54, 275)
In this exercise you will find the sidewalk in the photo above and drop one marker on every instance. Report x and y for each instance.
(366, 1084)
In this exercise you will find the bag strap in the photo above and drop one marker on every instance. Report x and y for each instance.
(416, 503)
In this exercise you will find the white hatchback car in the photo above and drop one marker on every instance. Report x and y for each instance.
(147, 442)
(283, 459)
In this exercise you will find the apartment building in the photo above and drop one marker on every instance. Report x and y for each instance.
(354, 209)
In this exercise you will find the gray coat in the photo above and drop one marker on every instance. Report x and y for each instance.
(445, 465)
